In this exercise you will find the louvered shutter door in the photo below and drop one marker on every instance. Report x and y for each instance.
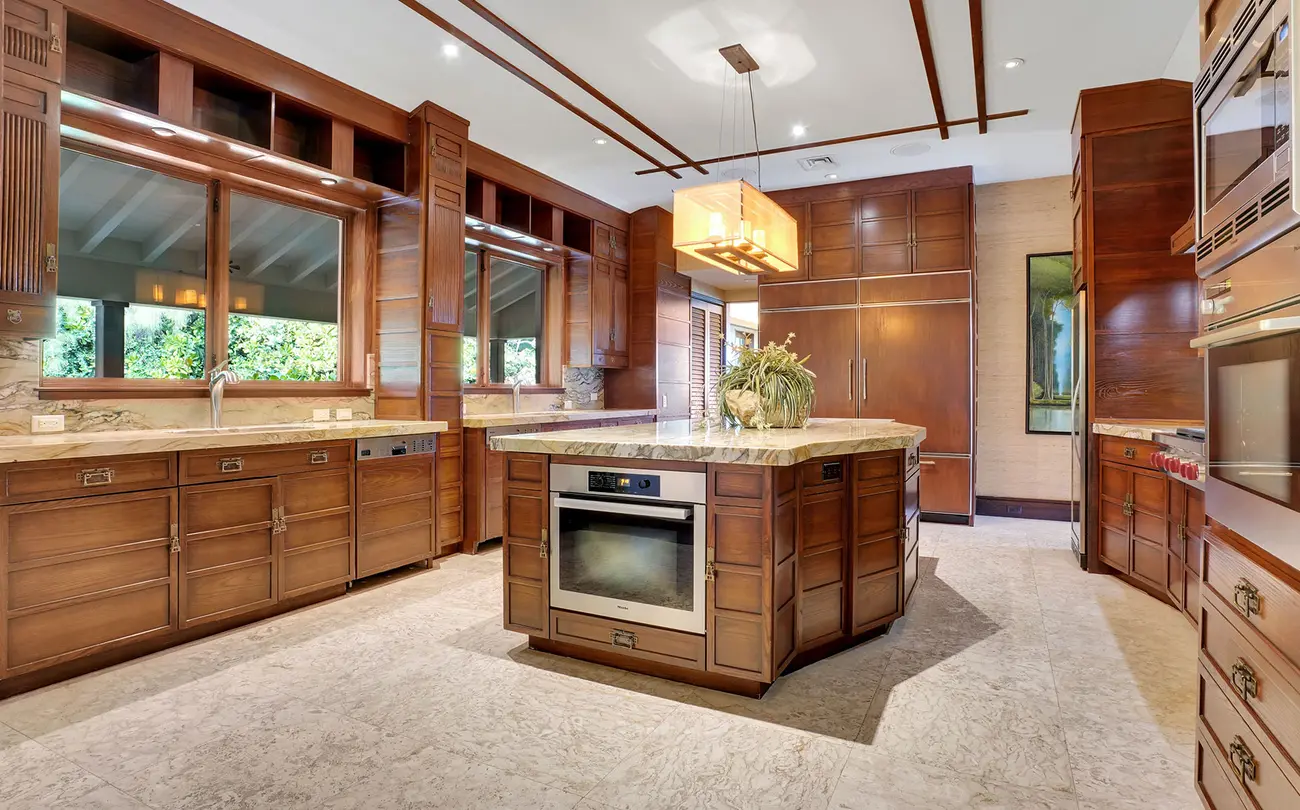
(699, 362)
(716, 360)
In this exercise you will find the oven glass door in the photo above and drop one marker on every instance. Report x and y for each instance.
(1254, 428)
(1247, 117)
(637, 561)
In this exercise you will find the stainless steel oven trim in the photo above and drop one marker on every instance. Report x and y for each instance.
(674, 485)
(670, 618)
(620, 508)
(1264, 327)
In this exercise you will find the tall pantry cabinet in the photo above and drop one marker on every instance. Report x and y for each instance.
(883, 304)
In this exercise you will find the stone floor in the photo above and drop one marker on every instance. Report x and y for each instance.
(1017, 681)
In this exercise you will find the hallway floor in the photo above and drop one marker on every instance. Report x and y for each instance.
(1016, 681)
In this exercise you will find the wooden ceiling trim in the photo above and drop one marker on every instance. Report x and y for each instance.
(508, 66)
(977, 48)
(848, 139)
(931, 72)
(536, 50)
(193, 38)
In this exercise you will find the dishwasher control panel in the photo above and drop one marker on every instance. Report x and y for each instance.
(389, 446)
(622, 483)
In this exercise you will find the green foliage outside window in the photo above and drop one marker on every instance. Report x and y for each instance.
(72, 352)
(271, 349)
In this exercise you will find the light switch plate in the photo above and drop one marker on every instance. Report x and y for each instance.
(343, 414)
(320, 414)
(47, 424)
(594, 396)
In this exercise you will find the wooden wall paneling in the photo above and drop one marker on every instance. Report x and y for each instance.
(29, 205)
(71, 593)
(526, 545)
(739, 594)
(35, 36)
(399, 311)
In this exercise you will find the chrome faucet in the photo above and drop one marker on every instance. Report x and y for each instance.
(514, 390)
(221, 375)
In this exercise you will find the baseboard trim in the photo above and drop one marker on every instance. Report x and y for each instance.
(1027, 508)
(945, 517)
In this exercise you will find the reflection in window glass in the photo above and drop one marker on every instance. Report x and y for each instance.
(132, 273)
(515, 321)
(284, 291)
(469, 343)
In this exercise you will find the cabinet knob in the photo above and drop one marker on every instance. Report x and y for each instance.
(1246, 597)
(1130, 452)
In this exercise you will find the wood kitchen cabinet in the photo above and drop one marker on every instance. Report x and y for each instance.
(35, 38)
(822, 335)
(525, 541)
(396, 513)
(1134, 524)
(86, 575)
(597, 313)
(229, 559)
(1185, 541)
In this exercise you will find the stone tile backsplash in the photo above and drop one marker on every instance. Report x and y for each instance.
(579, 385)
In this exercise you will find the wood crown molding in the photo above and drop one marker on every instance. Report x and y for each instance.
(931, 71)
(498, 168)
(177, 31)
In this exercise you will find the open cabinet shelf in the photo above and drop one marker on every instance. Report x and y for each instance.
(111, 65)
(227, 106)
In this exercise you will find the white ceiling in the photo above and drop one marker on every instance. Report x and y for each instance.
(839, 67)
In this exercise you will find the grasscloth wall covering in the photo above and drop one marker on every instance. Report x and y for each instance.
(1012, 221)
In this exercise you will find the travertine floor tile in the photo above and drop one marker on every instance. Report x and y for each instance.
(32, 777)
(873, 781)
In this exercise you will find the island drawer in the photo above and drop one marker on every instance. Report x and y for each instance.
(1213, 780)
(233, 464)
(1260, 770)
(33, 481)
(1265, 609)
(634, 640)
(1135, 452)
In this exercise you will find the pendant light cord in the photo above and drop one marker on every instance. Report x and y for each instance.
(753, 115)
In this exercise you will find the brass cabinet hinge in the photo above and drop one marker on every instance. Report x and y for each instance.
(1128, 505)
(544, 550)
(175, 546)
(710, 569)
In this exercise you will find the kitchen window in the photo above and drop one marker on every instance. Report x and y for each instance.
(504, 317)
(141, 311)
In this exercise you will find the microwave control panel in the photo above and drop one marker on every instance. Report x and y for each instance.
(622, 483)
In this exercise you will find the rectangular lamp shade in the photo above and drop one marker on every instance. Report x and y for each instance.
(736, 227)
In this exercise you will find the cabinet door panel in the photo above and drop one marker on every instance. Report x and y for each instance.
(828, 337)
(316, 544)
(886, 260)
(29, 204)
(886, 206)
(835, 263)
(937, 394)
(939, 255)
(939, 200)
(1151, 564)
(619, 291)
(526, 545)
(602, 310)
(1114, 548)
(229, 562)
(800, 214)
(34, 38)
(945, 485)
(884, 231)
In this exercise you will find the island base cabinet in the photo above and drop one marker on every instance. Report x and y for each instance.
(526, 545)
(228, 549)
(70, 592)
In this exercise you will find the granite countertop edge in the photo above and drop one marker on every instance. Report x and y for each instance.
(488, 420)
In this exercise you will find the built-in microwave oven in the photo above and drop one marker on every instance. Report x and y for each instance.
(1246, 190)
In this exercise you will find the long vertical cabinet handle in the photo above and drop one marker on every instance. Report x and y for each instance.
(850, 379)
(864, 379)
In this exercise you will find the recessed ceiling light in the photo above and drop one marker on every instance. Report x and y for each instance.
(451, 50)
(328, 181)
(1012, 64)
(163, 132)
(799, 130)
(910, 149)
(832, 177)
(600, 141)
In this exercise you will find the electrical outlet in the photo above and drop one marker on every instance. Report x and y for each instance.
(594, 396)
(343, 414)
(320, 414)
(47, 424)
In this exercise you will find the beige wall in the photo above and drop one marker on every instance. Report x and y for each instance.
(1012, 221)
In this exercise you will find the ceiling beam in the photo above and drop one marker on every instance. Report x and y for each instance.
(240, 234)
(139, 186)
(309, 266)
(849, 139)
(977, 48)
(559, 67)
(274, 252)
(69, 174)
(172, 230)
(931, 72)
(493, 56)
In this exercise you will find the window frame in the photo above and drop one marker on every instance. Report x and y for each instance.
(354, 286)
(546, 372)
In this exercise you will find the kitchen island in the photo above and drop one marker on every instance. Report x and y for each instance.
(707, 554)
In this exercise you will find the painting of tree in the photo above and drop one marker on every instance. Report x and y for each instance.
(1050, 343)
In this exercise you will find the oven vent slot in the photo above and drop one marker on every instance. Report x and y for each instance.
(1249, 216)
(1245, 16)
(1223, 235)
(1203, 84)
(1205, 248)
(1220, 56)
(1274, 197)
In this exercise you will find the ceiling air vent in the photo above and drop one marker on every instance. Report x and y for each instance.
(818, 163)
(1277, 195)
(1205, 248)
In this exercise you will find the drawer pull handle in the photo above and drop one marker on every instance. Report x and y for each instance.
(1130, 452)
(1246, 597)
(15, 316)
(98, 477)
(232, 465)
(1128, 505)
(1243, 762)
(929, 463)
(320, 456)
(622, 638)
(1244, 680)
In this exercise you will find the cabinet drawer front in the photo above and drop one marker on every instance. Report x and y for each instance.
(49, 530)
(1133, 452)
(389, 480)
(228, 593)
(46, 584)
(25, 320)
(201, 466)
(877, 556)
(1273, 611)
(881, 466)
(315, 531)
(387, 551)
(1270, 784)
(945, 485)
(1273, 698)
(374, 519)
(1214, 780)
(635, 640)
(875, 600)
(306, 493)
(315, 568)
(226, 508)
(75, 478)
(227, 549)
(44, 638)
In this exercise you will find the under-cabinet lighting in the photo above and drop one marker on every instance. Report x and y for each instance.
(549, 249)
(163, 132)
(328, 181)
(480, 227)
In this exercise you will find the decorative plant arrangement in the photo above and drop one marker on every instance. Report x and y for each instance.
(767, 388)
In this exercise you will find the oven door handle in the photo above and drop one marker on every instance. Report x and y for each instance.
(639, 509)
(1250, 331)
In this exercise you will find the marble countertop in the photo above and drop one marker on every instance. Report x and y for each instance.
(45, 446)
(692, 440)
(1134, 430)
(488, 420)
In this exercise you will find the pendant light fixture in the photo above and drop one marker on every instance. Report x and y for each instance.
(733, 225)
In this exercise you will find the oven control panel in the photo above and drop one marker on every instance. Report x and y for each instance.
(622, 483)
